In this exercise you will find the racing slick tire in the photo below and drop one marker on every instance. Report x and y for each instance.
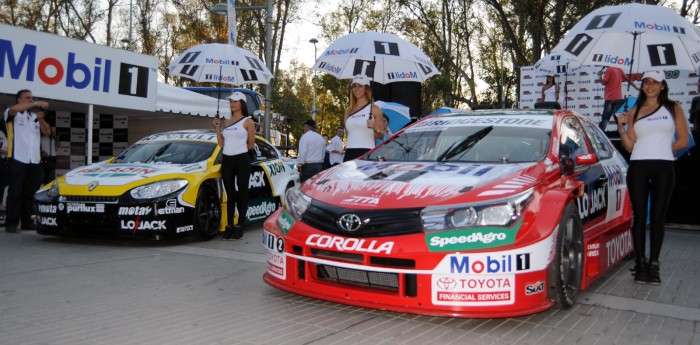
(207, 213)
(566, 269)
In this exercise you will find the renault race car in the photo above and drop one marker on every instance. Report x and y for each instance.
(493, 213)
(165, 185)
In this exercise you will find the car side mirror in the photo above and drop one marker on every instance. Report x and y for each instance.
(587, 159)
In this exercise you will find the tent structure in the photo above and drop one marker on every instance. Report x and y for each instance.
(170, 100)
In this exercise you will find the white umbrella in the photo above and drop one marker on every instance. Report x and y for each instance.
(633, 35)
(220, 63)
(555, 63)
(216, 62)
(383, 57)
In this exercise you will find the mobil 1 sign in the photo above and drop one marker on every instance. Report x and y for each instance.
(66, 69)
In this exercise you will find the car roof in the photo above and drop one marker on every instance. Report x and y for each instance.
(488, 112)
(186, 134)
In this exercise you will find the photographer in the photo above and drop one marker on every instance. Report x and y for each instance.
(25, 125)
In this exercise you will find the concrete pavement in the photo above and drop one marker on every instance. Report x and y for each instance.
(93, 291)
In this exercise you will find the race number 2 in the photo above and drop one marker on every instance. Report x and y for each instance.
(133, 80)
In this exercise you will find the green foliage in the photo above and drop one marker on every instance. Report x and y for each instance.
(463, 38)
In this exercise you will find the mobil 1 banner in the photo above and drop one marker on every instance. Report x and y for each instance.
(66, 69)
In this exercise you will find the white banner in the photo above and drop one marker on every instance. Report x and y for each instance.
(586, 93)
(61, 68)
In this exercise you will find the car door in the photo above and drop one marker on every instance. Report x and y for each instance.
(592, 201)
(261, 199)
(614, 166)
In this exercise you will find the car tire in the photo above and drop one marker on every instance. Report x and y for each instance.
(207, 214)
(566, 269)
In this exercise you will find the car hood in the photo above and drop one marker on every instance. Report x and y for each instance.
(367, 184)
(125, 173)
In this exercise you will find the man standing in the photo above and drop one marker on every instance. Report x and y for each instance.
(335, 148)
(612, 81)
(311, 150)
(25, 124)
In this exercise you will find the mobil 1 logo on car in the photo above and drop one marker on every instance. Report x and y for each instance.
(70, 70)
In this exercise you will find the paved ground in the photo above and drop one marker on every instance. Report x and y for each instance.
(87, 291)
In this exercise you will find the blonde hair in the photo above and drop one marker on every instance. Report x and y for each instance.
(353, 100)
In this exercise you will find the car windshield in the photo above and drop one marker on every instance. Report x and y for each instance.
(173, 152)
(471, 143)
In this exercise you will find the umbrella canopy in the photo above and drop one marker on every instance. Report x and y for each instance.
(444, 110)
(633, 35)
(220, 63)
(557, 64)
(383, 57)
(399, 115)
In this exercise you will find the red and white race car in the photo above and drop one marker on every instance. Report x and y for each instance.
(492, 213)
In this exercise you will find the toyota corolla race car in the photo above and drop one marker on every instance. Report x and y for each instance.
(475, 214)
(164, 185)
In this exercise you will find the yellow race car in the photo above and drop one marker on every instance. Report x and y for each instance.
(165, 185)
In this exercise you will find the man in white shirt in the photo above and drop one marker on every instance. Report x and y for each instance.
(25, 124)
(335, 148)
(311, 150)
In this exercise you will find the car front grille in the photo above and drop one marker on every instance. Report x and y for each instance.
(369, 279)
(90, 199)
(386, 222)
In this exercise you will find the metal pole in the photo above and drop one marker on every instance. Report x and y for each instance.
(313, 109)
(131, 26)
(503, 102)
(268, 60)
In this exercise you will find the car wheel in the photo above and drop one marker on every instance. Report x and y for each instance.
(566, 270)
(207, 215)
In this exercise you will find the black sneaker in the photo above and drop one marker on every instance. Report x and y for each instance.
(13, 228)
(237, 233)
(227, 234)
(641, 272)
(654, 275)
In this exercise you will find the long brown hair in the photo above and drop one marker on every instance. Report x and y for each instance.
(663, 100)
(353, 100)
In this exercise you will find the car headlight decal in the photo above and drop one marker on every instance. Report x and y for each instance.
(502, 212)
(158, 189)
(296, 202)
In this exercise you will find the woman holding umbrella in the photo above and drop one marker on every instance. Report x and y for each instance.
(651, 125)
(360, 119)
(236, 136)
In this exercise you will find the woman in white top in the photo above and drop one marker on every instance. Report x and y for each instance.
(236, 136)
(651, 125)
(550, 90)
(360, 124)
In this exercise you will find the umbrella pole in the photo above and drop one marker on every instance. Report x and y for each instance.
(629, 81)
(566, 86)
(218, 96)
